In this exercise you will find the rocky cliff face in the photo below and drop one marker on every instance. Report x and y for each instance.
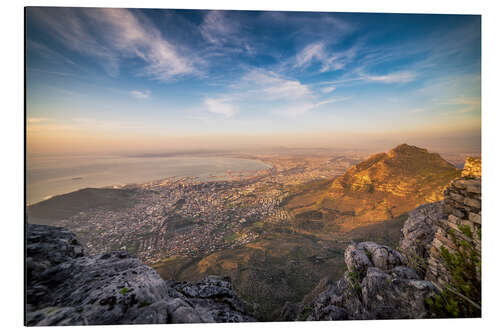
(66, 287)
(418, 233)
(462, 221)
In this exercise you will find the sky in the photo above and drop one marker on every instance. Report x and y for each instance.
(137, 80)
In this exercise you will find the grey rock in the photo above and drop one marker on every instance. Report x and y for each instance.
(381, 256)
(403, 272)
(106, 286)
(49, 246)
(156, 313)
(356, 259)
(65, 287)
(56, 316)
(359, 257)
(345, 294)
(377, 285)
(289, 312)
(330, 312)
(418, 232)
(386, 297)
(182, 312)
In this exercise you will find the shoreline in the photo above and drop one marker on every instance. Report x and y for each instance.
(226, 175)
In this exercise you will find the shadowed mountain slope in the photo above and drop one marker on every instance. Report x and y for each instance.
(66, 205)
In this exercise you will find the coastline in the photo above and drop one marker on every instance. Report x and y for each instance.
(227, 174)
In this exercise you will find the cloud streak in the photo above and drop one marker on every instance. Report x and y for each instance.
(224, 35)
(328, 61)
(124, 34)
(396, 77)
(220, 106)
(146, 94)
(270, 86)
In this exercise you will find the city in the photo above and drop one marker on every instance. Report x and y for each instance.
(189, 217)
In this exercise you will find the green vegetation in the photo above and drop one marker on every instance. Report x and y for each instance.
(415, 261)
(231, 237)
(355, 280)
(144, 304)
(368, 254)
(133, 246)
(177, 222)
(115, 247)
(462, 296)
(124, 290)
(306, 311)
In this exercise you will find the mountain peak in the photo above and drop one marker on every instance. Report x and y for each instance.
(406, 149)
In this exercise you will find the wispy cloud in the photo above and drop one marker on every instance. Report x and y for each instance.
(464, 104)
(271, 86)
(311, 26)
(123, 34)
(328, 61)
(396, 77)
(220, 106)
(309, 53)
(225, 34)
(146, 94)
(297, 109)
(331, 100)
(216, 28)
(47, 53)
(327, 90)
(283, 96)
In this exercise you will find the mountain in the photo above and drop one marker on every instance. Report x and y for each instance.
(379, 188)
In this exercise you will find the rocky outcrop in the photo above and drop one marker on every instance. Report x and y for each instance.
(417, 235)
(66, 287)
(376, 285)
(462, 208)
(433, 227)
(472, 168)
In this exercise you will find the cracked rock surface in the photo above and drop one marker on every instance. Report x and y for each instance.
(67, 287)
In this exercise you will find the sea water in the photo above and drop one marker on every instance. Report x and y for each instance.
(47, 176)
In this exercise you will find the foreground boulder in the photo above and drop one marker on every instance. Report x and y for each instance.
(66, 287)
(376, 285)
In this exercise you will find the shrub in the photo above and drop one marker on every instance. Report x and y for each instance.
(462, 296)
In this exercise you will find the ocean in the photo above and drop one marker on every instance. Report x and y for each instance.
(47, 176)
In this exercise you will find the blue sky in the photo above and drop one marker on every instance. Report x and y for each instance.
(118, 79)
